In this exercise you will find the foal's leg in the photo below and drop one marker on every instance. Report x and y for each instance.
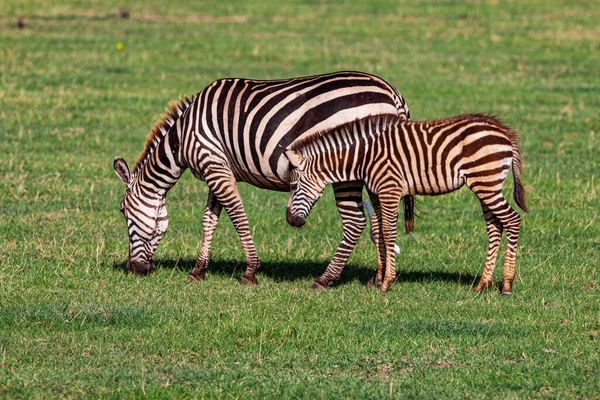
(494, 231)
(389, 221)
(348, 197)
(378, 238)
(209, 224)
(221, 182)
(511, 222)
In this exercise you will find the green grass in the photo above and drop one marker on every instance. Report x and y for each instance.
(73, 324)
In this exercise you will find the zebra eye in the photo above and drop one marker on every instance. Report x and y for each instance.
(293, 186)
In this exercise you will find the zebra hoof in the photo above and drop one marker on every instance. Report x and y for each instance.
(481, 287)
(318, 286)
(248, 281)
(507, 289)
(196, 276)
(383, 288)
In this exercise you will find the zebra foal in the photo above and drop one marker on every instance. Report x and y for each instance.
(404, 158)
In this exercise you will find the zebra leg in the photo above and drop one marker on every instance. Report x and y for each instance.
(511, 222)
(389, 221)
(494, 232)
(222, 183)
(378, 239)
(348, 197)
(209, 225)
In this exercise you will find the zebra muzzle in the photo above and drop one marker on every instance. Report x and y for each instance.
(138, 267)
(294, 220)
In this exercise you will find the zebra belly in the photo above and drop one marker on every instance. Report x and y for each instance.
(263, 177)
(436, 184)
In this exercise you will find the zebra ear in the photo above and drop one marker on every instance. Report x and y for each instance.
(296, 160)
(122, 169)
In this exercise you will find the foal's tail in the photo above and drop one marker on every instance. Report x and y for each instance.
(517, 167)
(409, 213)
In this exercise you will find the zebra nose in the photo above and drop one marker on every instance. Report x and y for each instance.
(138, 267)
(294, 220)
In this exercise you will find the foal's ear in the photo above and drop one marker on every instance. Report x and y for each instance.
(296, 160)
(122, 169)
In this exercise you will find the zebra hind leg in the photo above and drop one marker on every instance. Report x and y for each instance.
(348, 197)
(209, 225)
(222, 183)
(511, 222)
(494, 232)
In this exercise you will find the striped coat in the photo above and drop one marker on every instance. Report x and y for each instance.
(234, 131)
(397, 159)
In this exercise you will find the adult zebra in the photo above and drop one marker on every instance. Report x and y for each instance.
(407, 158)
(235, 130)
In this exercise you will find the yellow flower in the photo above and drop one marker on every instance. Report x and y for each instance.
(119, 46)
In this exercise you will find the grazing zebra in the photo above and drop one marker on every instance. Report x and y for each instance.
(407, 158)
(235, 131)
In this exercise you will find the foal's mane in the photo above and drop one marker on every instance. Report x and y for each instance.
(477, 117)
(161, 128)
(473, 117)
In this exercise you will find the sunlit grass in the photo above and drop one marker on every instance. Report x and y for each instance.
(73, 324)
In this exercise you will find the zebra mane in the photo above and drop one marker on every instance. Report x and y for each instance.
(161, 128)
(352, 132)
(475, 117)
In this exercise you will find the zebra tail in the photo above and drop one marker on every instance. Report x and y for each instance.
(517, 167)
(409, 214)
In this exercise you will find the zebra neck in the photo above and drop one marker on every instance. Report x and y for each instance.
(339, 155)
(341, 164)
(162, 167)
(337, 166)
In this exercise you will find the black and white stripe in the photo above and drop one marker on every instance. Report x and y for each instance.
(235, 131)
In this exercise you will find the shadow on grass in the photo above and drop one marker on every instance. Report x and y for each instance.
(293, 270)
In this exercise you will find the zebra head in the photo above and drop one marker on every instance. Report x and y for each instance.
(306, 187)
(146, 217)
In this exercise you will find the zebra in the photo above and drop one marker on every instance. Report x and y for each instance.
(235, 131)
(403, 158)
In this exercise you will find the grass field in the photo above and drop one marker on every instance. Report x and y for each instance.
(73, 324)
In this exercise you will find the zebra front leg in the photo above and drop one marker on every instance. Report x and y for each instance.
(222, 183)
(376, 228)
(348, 198)
(389, 221)
(494, 232)
(209, 225)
